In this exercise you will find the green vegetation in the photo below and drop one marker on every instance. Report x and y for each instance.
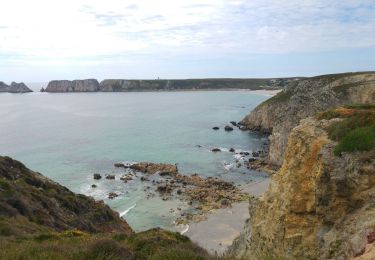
(151, 244)
(359, 139)
(360, 106)
(283, 96)
(356, 132)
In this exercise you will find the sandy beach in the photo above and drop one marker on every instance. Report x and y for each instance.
(219, 230)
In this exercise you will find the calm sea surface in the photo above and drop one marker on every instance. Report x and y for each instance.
(68, 137)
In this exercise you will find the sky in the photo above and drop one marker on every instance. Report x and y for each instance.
(42, 40)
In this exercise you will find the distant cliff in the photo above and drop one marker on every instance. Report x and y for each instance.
(124, 85)
(86, 85)
(303, 98)
(14, 88)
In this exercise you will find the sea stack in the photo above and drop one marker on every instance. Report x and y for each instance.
(14, 88)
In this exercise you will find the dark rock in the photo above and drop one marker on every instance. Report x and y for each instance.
(225, 203)
(179, 192)
(255, 154)
(97, 176)
(112, 195)
(110, 177)
(232, 150)
(243, 128)
(228, 128)
(233, 123)
(93, 186)
(216, 150)
(123, 165)
(216, 128)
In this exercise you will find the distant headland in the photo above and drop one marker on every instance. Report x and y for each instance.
(125, 85)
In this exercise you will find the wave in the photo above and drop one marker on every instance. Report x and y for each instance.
(127, 210)
(228, 166)
(185, 230)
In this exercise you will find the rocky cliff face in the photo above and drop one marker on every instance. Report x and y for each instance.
(318, 206)
(14, 88)
(303, 98)
(86, 85)
(28, 199)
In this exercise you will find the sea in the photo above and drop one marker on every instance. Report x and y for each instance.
(70, 136)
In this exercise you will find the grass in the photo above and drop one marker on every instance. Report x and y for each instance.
(281, 97)
(152, 244)
(356, 132)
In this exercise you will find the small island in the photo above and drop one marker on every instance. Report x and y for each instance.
(14, 88)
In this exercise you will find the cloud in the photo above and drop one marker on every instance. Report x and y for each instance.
(76, 30)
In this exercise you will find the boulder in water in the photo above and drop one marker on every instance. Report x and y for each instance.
(228, 128)
(97, 176)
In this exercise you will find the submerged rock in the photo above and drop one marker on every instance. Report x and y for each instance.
(122, 165)
(112, 195)
(97, 176)
(110, 177)
(228, 128)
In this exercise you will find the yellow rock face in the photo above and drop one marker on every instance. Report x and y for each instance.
(318, 206)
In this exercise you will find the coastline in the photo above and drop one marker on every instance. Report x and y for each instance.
(228, 222)
(270, 92)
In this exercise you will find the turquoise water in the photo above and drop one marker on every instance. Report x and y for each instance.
(68, 137)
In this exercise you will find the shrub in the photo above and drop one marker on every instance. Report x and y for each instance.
(359, 139)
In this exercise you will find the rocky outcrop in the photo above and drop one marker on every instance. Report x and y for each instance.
(14, 88)
(28, 199)
(152, 168)
(300, 99)
(86, 85)
(318, 206)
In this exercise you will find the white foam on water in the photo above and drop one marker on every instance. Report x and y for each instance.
(185, 229)
(122, 214)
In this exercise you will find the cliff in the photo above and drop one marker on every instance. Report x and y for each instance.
(124, 85)
(14, 88)
(40, 219)
(86, 85)
(300, 99)
(118, 85)
(318, 205)
(30, 196)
